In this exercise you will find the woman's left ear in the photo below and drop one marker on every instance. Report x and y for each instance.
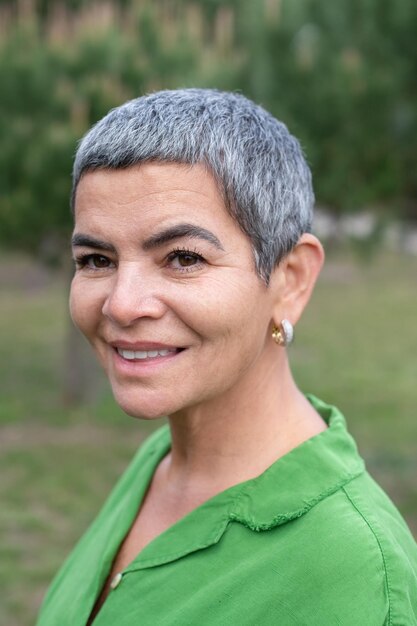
(294, 278)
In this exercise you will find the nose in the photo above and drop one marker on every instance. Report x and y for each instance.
(133, 296)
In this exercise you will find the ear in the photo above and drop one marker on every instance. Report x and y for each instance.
(294, 278)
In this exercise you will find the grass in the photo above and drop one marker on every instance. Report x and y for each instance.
(355, 347)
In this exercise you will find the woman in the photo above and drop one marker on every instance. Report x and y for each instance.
(194, 260)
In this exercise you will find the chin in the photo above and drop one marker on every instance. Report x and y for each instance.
(144, 406)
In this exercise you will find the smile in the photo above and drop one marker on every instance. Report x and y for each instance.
(133, 355)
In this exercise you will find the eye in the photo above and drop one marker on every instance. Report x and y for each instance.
(185, 260)
(94, 262)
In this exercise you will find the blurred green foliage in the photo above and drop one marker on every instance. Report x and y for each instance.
(58, 77)
(341, 75)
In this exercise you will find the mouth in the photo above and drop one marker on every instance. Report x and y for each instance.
(134, 356)
(142, 355)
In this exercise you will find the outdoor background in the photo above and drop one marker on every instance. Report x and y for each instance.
(342, 76)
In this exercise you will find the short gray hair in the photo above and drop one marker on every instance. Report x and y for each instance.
(258, 165)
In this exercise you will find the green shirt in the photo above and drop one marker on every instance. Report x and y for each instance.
(311, 541)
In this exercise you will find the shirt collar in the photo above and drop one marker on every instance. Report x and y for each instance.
(303, 477)
(288, 489)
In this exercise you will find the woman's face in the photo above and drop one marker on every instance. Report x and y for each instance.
(165, 287)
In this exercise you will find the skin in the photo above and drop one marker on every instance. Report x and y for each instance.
(232, 403)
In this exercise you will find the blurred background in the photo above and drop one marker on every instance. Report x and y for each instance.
(342, 76)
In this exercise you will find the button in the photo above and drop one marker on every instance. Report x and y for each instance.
(116, 580)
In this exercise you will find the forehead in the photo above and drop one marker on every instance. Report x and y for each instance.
(152, 189)
(132, 206)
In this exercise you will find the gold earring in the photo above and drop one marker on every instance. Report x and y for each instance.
(284, 333)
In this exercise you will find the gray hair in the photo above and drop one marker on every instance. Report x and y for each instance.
(258, 165)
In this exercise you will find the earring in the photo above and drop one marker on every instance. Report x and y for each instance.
(284, 334)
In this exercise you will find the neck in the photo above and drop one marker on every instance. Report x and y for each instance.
(235, 437)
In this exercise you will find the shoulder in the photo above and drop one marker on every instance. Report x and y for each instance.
(363, 555)
(384, 526)
(77, 579)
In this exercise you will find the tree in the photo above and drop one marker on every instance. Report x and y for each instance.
(342, 75)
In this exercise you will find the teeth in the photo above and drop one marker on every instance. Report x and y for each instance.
(131, 355)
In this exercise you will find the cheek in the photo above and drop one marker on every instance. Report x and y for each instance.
(227, 312)
(84, 306)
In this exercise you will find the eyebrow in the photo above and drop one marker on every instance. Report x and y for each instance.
(181, 230)
(79, 239)
(156, 240)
